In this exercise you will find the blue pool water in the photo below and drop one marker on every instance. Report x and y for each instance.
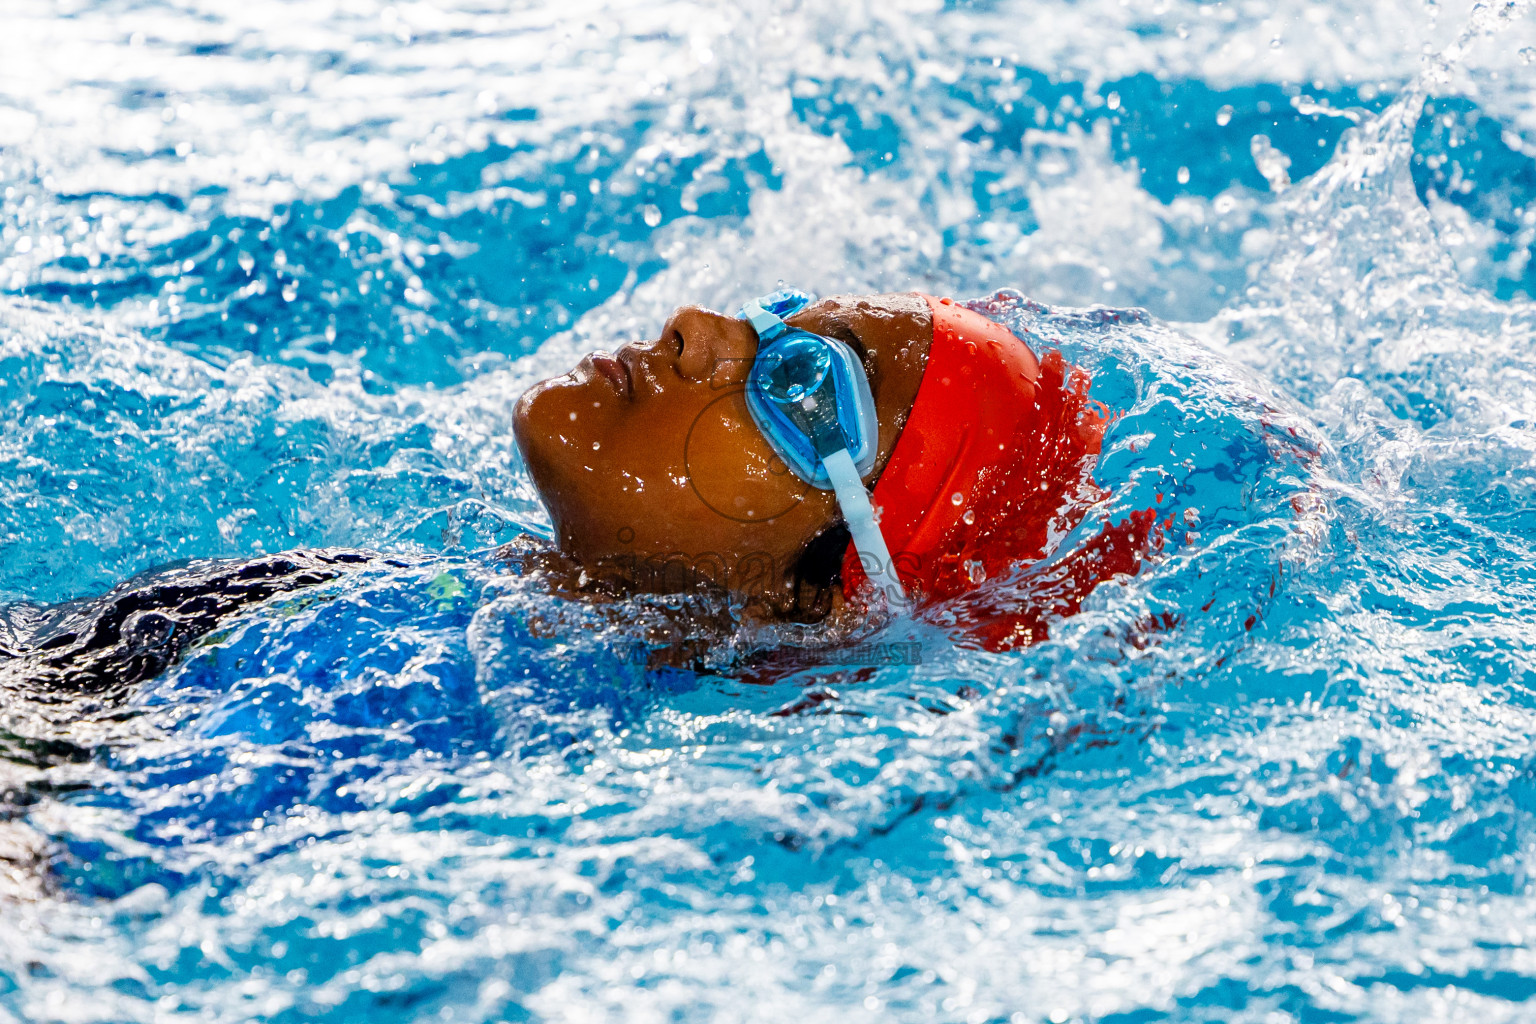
(274, 273)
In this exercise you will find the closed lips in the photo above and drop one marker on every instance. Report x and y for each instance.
(614, 370)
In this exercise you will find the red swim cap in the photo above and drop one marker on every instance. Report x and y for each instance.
(992, 462)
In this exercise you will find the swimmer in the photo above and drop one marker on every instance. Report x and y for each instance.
(807, 457)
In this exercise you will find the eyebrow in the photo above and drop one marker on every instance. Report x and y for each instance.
(833, 325)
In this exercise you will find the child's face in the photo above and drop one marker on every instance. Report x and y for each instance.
(652, 468)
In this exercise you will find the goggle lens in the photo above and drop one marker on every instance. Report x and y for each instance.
(794, 368)
(811, 399)
(807, 394)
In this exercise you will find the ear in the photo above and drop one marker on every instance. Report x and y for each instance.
(817, 575)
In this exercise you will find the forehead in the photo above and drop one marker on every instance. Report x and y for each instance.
(860, 313)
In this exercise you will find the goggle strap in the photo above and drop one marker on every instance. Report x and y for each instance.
(859, 515)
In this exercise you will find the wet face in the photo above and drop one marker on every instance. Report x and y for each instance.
(656, 476)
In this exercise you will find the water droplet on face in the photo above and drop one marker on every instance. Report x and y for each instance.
(573, 417)
(969, 518)
(596, 445)
(957, 498)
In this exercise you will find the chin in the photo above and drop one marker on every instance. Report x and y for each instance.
(531, 436)
(530, 428)
(522, 412)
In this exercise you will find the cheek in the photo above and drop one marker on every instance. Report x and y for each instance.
(731, 468)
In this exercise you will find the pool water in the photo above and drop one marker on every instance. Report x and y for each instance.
(274, 273)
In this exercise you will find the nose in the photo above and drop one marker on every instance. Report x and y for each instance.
(709, 346)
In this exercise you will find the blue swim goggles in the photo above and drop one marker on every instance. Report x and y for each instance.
(811, 399)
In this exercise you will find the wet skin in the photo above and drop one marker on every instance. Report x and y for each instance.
(656, 477)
